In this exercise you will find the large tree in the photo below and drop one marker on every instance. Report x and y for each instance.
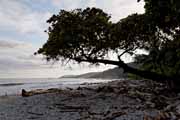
(89, 36)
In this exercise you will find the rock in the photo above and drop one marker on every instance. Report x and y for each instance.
(79, 88)
(173, 116)
(127, 100)
(106, 89)
(68, 88)
(24, 93)
(150, 104)
(178, 109)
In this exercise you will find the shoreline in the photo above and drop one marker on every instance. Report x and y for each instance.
(12, 87)
(116, 100)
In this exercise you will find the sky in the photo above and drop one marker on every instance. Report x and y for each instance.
(22, 26)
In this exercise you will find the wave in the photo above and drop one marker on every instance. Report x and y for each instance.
(11, 84)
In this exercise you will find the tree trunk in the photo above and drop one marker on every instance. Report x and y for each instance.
(174, 82)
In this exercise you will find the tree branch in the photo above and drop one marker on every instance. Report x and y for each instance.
(142, 73)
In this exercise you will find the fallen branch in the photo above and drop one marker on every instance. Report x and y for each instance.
(73, 107)
(114, 115)
(35, 113)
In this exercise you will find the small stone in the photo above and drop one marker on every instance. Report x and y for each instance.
(173, 116)
(150, 104)
(137, 107)
(178, 109)
(139, 100)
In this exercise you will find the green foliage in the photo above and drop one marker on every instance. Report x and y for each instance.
(164, 13)
(133, 32)
(164, 52)
(78, 34)
(165, 60)
(89, 35)
(133, 77)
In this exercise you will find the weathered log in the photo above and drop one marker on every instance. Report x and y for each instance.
(25, 93)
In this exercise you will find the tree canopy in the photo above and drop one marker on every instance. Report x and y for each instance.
(78, 34)
(164, 54)
(88, 36)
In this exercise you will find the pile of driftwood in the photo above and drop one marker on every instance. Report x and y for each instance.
(154, 96)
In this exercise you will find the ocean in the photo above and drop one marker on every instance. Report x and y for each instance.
(13, 86)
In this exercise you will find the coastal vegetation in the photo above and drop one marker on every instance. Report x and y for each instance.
(88, 35)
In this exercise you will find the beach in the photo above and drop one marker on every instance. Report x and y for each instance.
(15, 85)
(116, 100)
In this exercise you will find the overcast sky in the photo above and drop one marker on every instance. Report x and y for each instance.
(22, 25)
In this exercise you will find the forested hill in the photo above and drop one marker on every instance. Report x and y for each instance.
(115, 73)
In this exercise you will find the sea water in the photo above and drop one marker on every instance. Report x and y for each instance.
(13, 86)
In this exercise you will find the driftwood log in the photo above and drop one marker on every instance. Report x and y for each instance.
(25, 93)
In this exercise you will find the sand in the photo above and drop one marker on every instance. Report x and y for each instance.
(118, 100)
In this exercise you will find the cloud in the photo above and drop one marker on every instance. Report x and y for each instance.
(13, 47)
(17, 60)
(12, 63)
(67, 4)
(8, 44)
(26, 20)
(17, 16)
(18, 55)
(123, 8)
(33, 23)
(116, 8)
